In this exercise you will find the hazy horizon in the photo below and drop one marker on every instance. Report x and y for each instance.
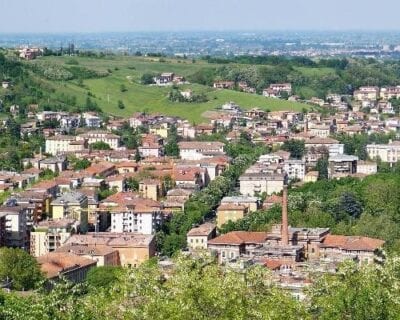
(122, 16)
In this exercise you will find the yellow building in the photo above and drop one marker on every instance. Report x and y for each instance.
(311, 176)
(73, 205)
(197, 237)
(150, 189)
(230, 212)
(160, 130)
(49, 235)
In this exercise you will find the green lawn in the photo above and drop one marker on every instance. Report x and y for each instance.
(128, 70)
(315, 72)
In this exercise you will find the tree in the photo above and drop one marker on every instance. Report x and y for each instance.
(132, 184)
(147, 78)
(123, 88)
(121, 105)
(102, 277)
(295, 147)
(322, 168)
(137, 156)
(348, 294)
(81, 164)
(48, 174)
(19, 267)
(100, 145)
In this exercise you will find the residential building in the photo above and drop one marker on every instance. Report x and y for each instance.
(321, 131)
(257, 183)
(230, 212)
(224, 85)
(295, 169)
(100, 136)
(236, 243)
(92, 120)
(198, 237)
(102, 255)
(18, 224)
(49, 235)
(64, 144)
(252, 203)
(197, 150)
(73, 205)
(366, 93)
(342, 165)
(150, 189)
(55, 164)
(388, 93)
(133, 248)
(55, 265)
(131, 213)
(389, 153)
(367, 167)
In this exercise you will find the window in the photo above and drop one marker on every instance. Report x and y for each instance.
(223, 254)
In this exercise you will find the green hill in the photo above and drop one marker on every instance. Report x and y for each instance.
(127, 71)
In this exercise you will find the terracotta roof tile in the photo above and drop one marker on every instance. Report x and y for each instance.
(352, 242)
(240, 237)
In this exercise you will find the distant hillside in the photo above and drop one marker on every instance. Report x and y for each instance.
(113, 83)
(68, 83)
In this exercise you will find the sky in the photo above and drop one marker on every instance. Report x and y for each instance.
(54, 16)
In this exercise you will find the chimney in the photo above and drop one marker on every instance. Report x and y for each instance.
(285, 228)
(305, 124)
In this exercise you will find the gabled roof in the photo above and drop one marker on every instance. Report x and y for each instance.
(203, 230)
(240, 237)
(352, 243)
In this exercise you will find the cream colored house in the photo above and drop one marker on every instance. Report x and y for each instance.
(367, 167)
(366, 93)
(49, 235)
(257, 183)
(62, 144)
(133, 248)
(197, 237)
(230, 212)
(100, 136)
(389, 153)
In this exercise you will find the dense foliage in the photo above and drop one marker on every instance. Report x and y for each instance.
(20, 268)
(200, 290)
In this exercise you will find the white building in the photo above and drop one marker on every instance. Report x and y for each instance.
(18, 223)
(389, 153)
(92, 120)
(100, 136)
(295, 169)
(61, 144)
(144, 222)
(367, 167)
(252, 184)
(197, 150)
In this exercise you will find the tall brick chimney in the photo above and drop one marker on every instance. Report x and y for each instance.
(285, 227)
(305, 124)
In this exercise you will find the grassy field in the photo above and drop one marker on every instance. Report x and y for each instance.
(127, 71)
